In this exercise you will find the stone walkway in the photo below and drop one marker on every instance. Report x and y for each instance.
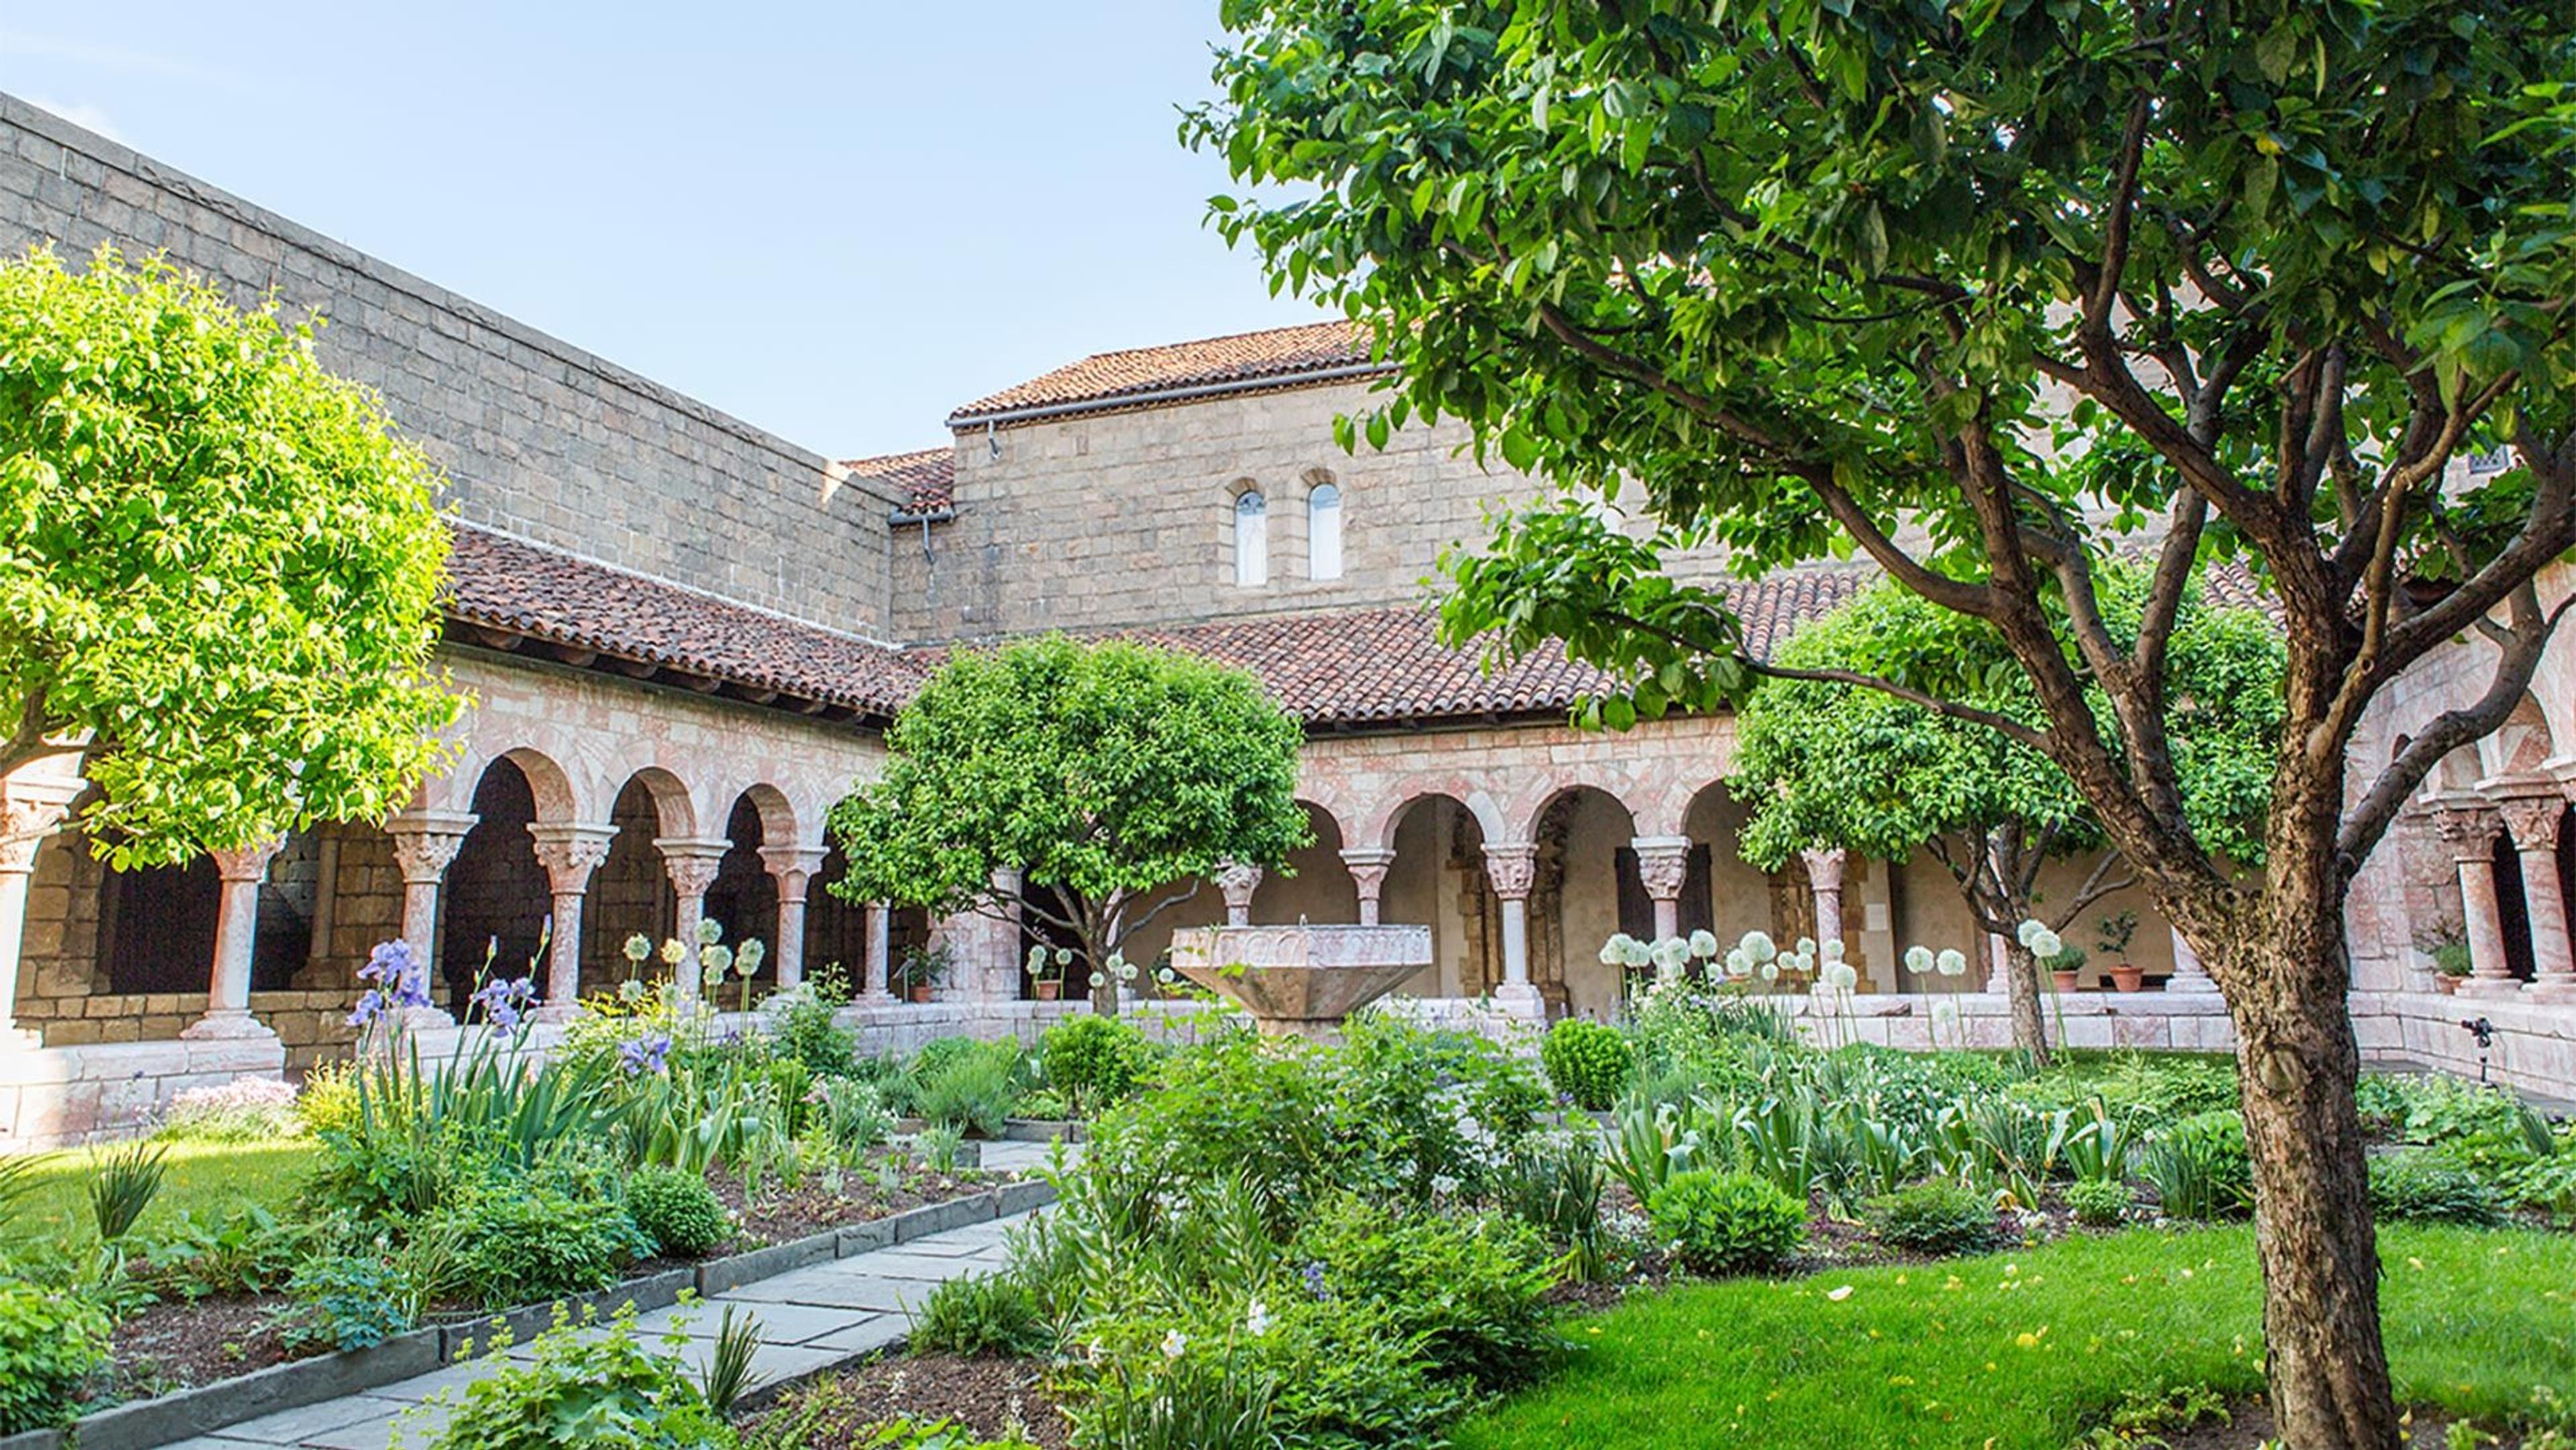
(811, 1320)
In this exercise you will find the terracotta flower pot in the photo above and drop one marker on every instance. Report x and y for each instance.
(2066, 981)
(2129, 979)
(918, 994)
(1049, 989)
(2446, 984)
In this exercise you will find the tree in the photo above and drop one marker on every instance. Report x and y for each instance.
(1823, 764)
(1108, 773)
(219, 567)
(1978, 289)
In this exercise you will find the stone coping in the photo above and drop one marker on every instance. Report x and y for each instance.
(168, 1419)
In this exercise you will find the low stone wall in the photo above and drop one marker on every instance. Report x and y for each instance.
(2535, 1042)
(55, 1097)
(313, 1025)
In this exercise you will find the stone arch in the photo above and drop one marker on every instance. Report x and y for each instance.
(1379, 827)
(630, 893)
(1247, 533)
(1438, 879)
(1532, 810)
(743, 898)
(1317, 884)
(494, 903)
(780, 822)
(1726, 893)
(1323, 517)
(1585, 886)
(674, 813)
(2521, 746)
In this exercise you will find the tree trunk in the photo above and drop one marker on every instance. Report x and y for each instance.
(2022, 995)
(2297, 1063)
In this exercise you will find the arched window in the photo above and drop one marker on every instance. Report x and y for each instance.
(1251, 539)
(1324, 531)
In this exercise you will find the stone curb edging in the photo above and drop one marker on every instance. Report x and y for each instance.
(167, 1419)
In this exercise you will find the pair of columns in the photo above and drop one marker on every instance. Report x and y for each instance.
(2469, 825)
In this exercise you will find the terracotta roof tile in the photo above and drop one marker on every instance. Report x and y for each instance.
(509, 584)
(1278, 356)
(925, 476)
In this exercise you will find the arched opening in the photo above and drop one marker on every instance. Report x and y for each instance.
(157, 927)
(1438, 880)
(1251, 539)
(1728, 895)
(1581, 893)
(2513, 911)
(1323, 528)
(836, 931)
(630, 894)
(1316, 886)
(495, 904)
(743, 899)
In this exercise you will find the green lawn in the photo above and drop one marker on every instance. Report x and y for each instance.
(203, 1178)
(2022, 1349)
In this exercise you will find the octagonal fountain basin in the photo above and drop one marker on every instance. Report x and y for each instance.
(1300, 980)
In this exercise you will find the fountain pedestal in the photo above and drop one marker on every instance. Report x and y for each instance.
(1300, 981)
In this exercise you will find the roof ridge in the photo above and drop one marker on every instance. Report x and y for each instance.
(1341, 322)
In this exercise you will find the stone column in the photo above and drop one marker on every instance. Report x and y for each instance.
(2470, 831)
(1663, 867)
(1237, 882)
(691, 865)
(1825, 878)
(1369, 866)
(880, 950)
(569, 853)
(1512, 867)
(27, 816)
(2188, 975)
(1998, 965)
(2532, 821)
(236, 933)
(793, 868)
(425, 843)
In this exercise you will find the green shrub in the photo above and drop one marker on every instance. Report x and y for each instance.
(2200, 1167)
(972, 1090)
(1554, 1185)
(328, 1101)
(803, 1028)
(1588, 1062)
(1724, 1223)
(525, 1243)
(1438, 1107)
(50, 1342)
(2420, 1188)
(600, 1390)
(989, 1314)
(1470, 1289)
(1935, 1218)
(348, 1301)
(1094, 1061)
(677, 1211)
(2100, 1202)
(2434, 1107)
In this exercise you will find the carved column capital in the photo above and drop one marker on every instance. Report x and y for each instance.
(27, 817)
(245, 863)
(426, 841)
(2469, 830)
(1238, 880)
(569, 852)
(794, 867)
(692, 864)
(1824, 867)
(1512, 867)
(2532, 820)
(1663, 865)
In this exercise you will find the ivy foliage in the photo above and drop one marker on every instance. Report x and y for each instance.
(1107, 771)
(219, 565)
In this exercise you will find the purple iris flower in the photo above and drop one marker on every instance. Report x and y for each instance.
(505, 1003)
(371, 1004)
(404, 978)
(644, 1054)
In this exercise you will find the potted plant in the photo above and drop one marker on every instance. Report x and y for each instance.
(2067, 967)
(2450, 965)
(1046, 970)
(919, 972)
(2116, 931)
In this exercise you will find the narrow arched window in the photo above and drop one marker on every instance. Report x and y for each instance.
(1251, 539)
(1324, 531)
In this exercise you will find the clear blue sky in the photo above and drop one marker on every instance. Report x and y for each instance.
(835, 221)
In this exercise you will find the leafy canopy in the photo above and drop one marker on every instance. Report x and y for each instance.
(1822, 763)
(219, 567)
(1972, 286)
(1103, 770)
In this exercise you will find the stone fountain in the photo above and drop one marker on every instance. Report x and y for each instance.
(1300, 980)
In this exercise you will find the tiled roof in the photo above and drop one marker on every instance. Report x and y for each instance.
(1277, 357)
(1376, 665)
(926, 476)
(511, 585)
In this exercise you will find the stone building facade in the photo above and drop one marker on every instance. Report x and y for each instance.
(684, 636)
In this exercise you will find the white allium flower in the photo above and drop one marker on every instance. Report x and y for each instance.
(638, 947)
(1098, 981)
(1758, 947)
(1771, 971)
(1918, 960)
(1738, 964)
(718, 960)
(1806, 946)
(1037, 960)
(630, 991)
(1952, 962)
(710, 931)
(1256, 1319)
(1163, 974)
(2044, 944)
(1615, 950)
(753, 953)
(1064, 956)
(1841, 976)
(711, 977)
(1634, 953)
(1831, 951)
(1945, 1012)
(1175, 1343)
(2029, 928)
(673, 953)
(1670, 953)
(1703, 944)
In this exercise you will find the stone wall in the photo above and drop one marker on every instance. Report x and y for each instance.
(537, 437)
